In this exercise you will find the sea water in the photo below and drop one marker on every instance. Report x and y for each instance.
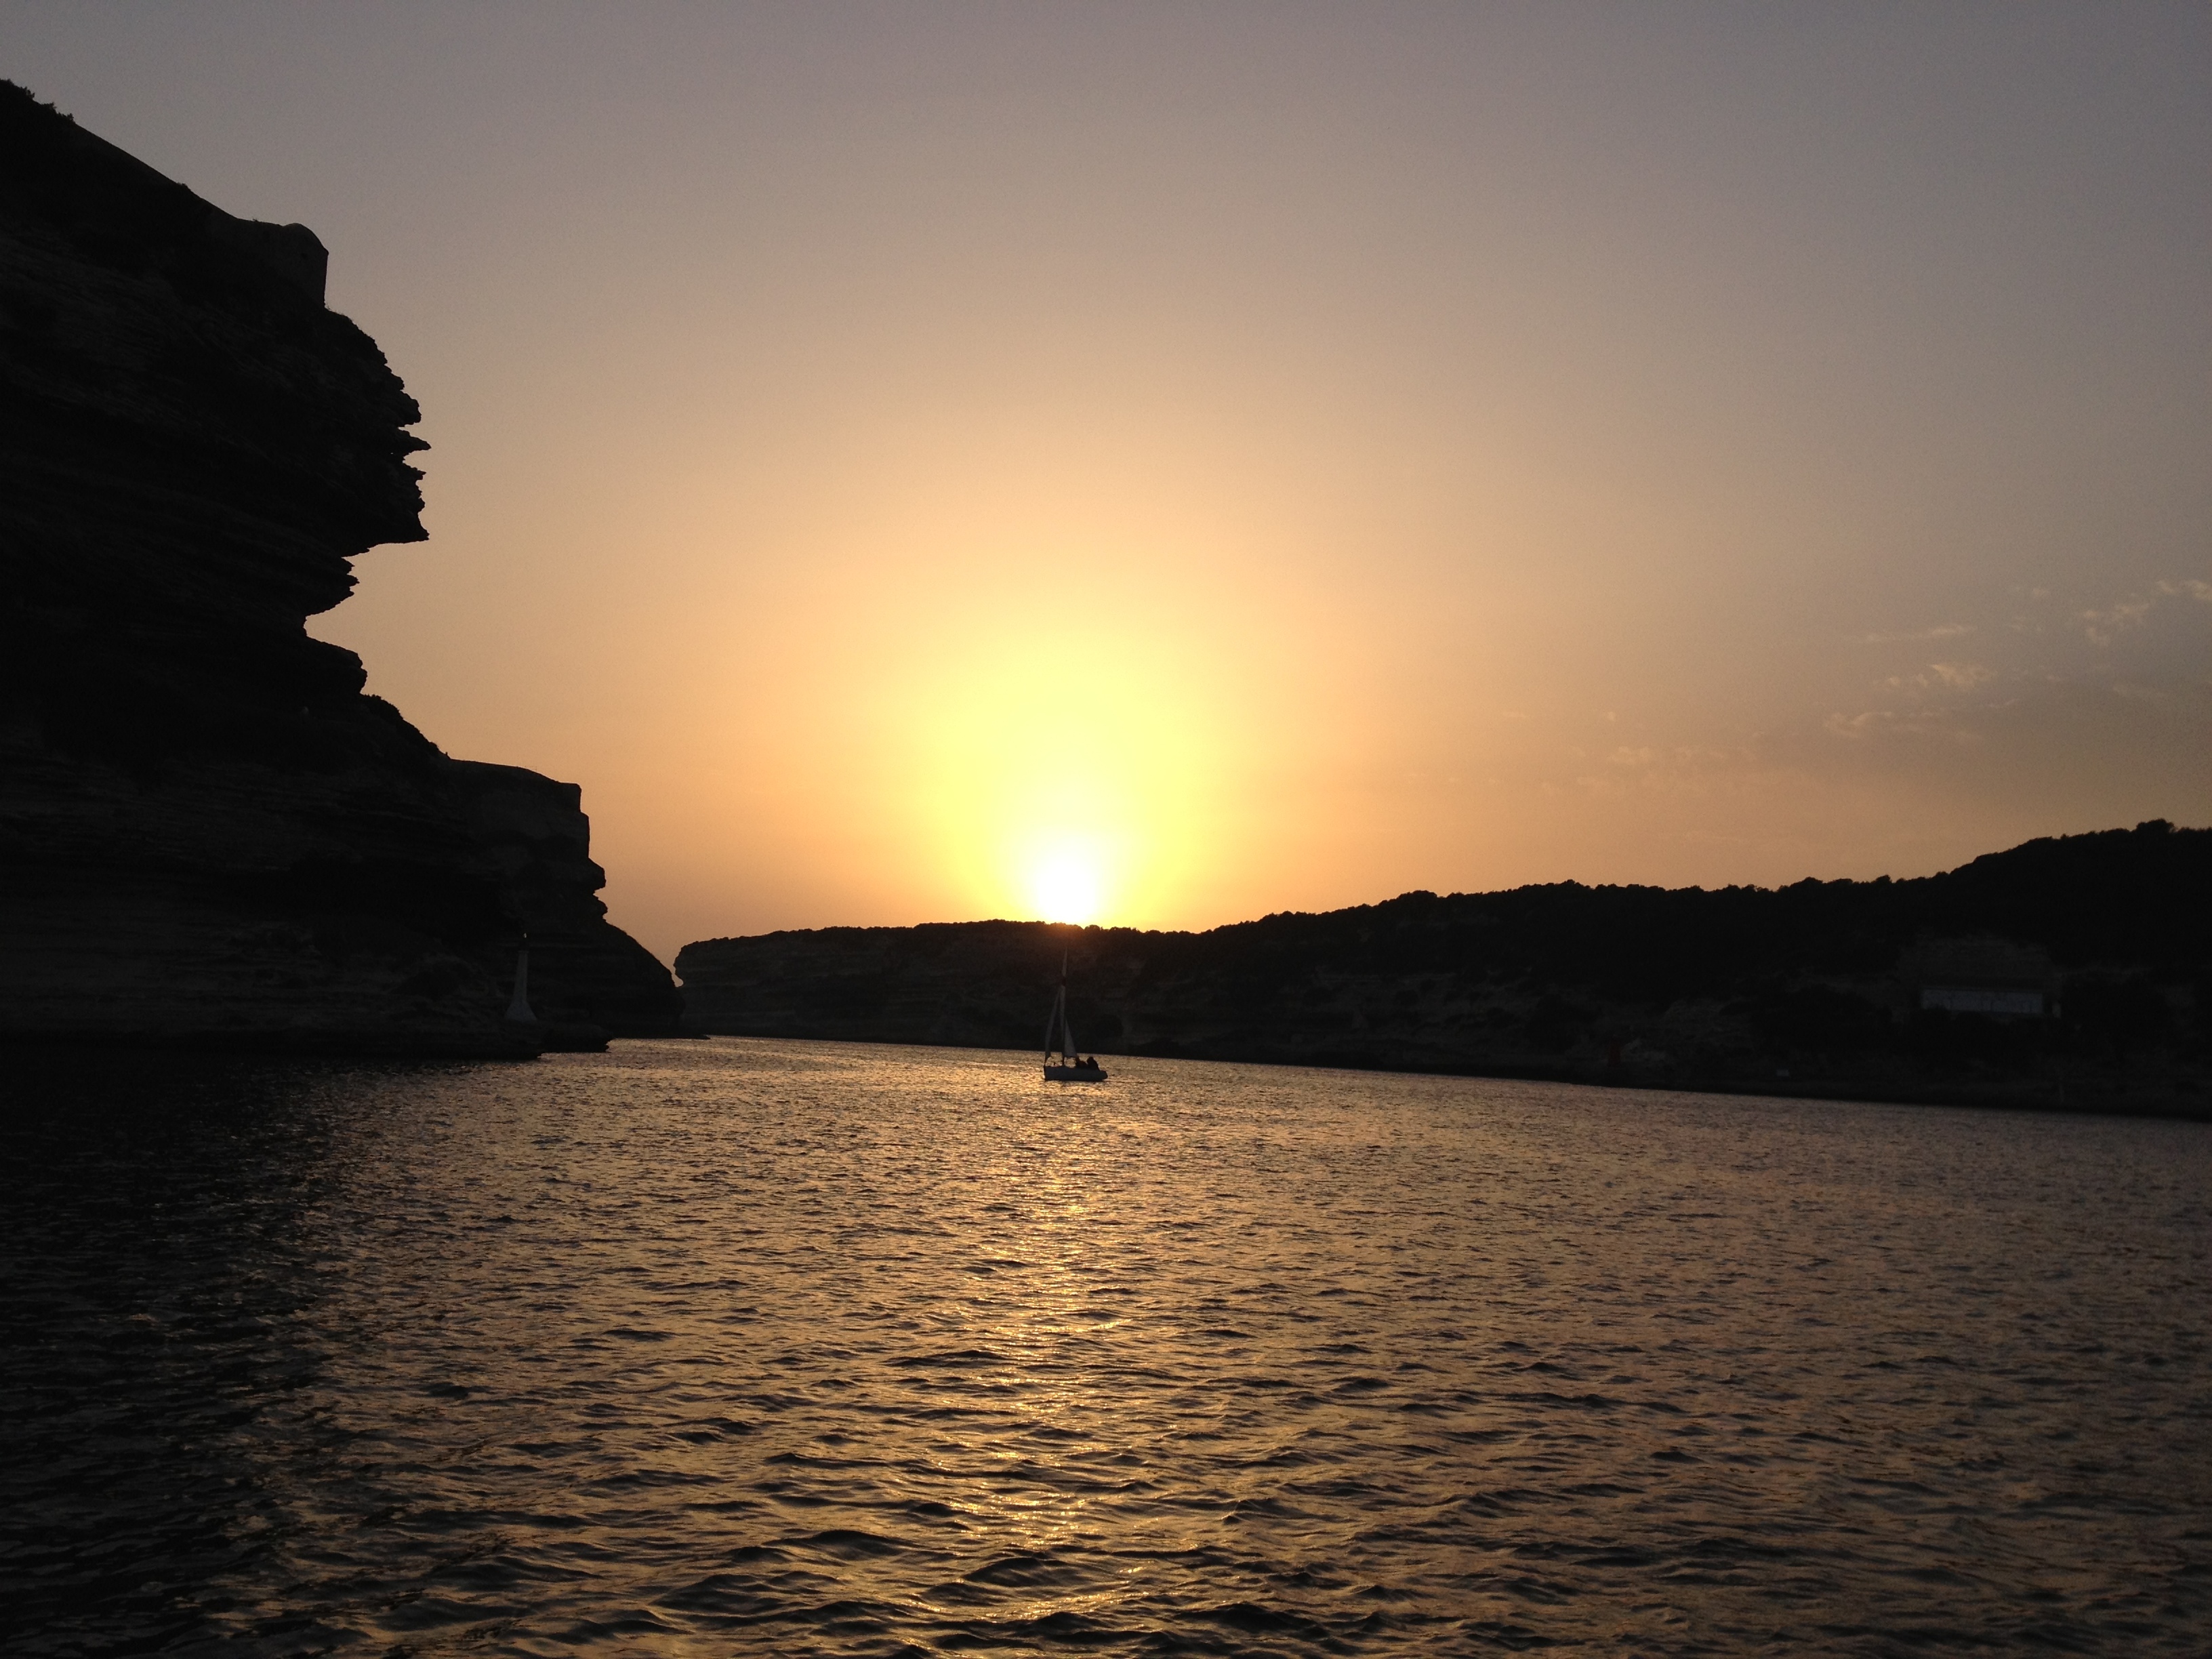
(795, 1348)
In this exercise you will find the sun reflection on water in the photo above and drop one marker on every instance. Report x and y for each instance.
(760, 1346)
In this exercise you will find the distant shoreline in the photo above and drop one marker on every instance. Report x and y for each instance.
(2069, 974)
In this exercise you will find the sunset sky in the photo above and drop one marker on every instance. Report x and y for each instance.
(1165, 464)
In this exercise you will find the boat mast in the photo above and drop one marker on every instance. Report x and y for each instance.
(1058, 1028)
(1058, 1016)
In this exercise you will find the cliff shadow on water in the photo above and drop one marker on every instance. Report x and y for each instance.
(212, 834)
(2070, 972)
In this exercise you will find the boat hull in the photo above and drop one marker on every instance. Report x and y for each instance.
(1074, 1074)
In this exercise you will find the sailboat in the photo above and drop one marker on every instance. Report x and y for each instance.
(1071, 1067)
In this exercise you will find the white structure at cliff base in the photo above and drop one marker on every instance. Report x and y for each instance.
(518, 1006)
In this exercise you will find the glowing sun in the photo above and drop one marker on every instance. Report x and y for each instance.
(1065, 886)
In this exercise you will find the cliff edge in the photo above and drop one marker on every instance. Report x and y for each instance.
(210, 834)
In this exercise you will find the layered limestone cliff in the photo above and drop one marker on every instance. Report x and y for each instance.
(209, 833)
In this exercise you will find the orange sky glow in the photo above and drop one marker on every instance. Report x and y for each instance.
(1165, 464)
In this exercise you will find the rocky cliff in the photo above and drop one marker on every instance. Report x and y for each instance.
(209, 833)
(2075, 970)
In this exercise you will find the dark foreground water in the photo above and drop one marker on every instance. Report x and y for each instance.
(746, 1347)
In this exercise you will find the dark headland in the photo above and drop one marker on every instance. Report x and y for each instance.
(209, 835)
(2072, 972)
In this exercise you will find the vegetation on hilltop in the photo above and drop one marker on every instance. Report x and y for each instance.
(1822, 987)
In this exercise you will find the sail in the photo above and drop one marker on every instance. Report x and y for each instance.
(1059, 1030)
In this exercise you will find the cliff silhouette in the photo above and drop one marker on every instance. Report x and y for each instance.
(210, 834)
(2070, 971)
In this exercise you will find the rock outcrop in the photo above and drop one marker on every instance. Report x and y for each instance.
(2070, 971)
(209, 833)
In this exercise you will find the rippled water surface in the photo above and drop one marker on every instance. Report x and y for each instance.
(808, 1348)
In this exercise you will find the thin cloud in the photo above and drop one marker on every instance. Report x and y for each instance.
(1949, 676)
(1876, 723)
(1962, 676)
(1941, 631)
(2103, 626)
